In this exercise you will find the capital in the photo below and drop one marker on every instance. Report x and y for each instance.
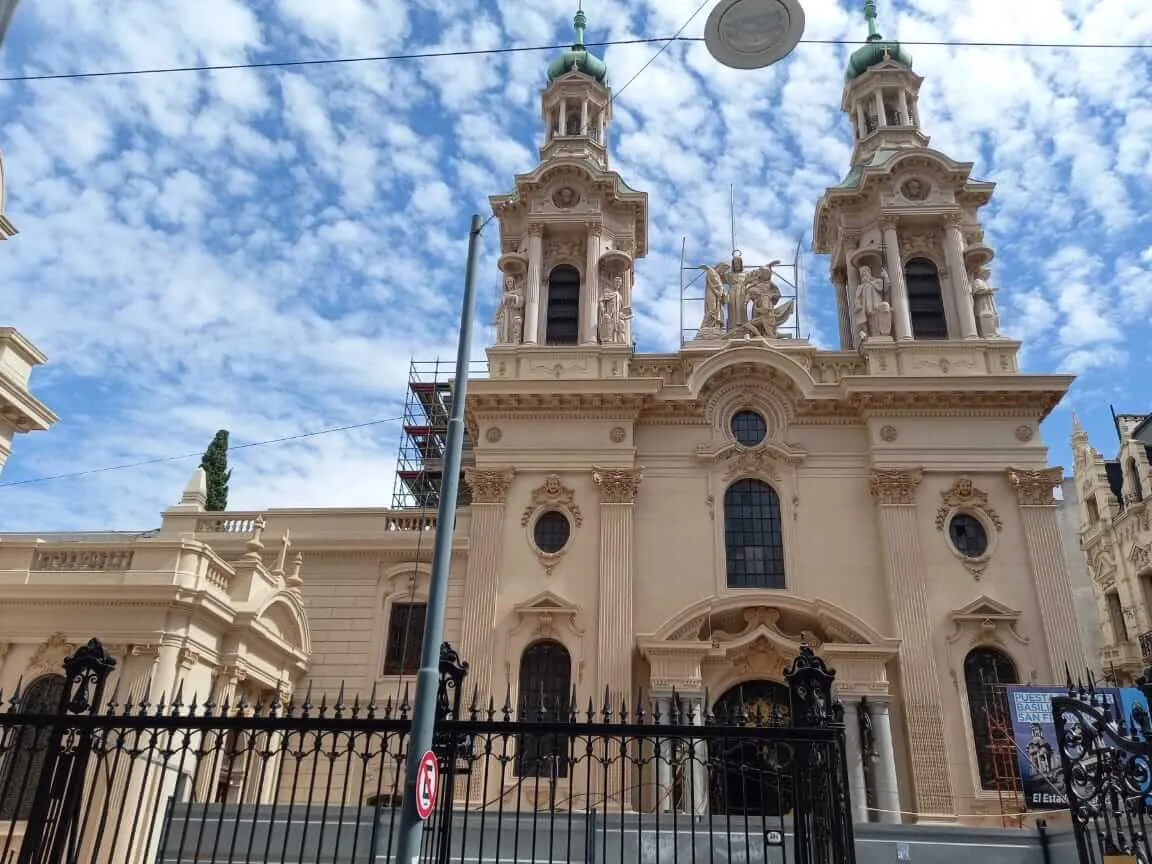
(889, 223)
(536, 229)
(952, 220)
(617, 485)
(595, 229)
(488, 487)
(1034, 488)
(850, 238)
(895, 486)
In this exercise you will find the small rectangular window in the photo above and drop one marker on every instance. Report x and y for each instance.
(405, 637)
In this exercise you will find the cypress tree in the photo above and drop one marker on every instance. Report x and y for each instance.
(215, 465)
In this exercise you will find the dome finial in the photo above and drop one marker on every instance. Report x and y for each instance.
(579, 23)
(870, 17)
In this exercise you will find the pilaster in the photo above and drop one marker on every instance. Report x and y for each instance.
(1049, 571)
(615, 634)
(901, 315)
(532, 286)
(895, 493)
(481, 579)
(590, 302)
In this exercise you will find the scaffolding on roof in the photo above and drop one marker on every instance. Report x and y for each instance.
(424, 436)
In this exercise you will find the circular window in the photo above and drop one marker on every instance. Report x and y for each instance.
(968, 535)
(551, 532)
(749, 428)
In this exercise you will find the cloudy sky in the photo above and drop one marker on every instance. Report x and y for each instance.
(265, 250)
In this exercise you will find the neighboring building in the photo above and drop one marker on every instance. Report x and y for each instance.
(674, 522)
(1083, 592)
(1116, 536)
(20, 411)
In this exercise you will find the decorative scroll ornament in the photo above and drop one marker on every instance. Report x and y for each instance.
(895, 486)
(488, 487)
(743, 460)
(618, 485)
(964, 494)
(1034, 488)
(553, 493)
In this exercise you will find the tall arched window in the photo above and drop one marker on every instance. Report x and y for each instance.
(545, 679)
(563, 324)
(986, 672)
(24, 763)
(925, 299)
(1134, 474)
(753, 535)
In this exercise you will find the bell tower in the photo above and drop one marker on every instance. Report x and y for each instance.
(903, 227)
(572, 230)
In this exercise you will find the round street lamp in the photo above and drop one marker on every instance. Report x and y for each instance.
(752, 34)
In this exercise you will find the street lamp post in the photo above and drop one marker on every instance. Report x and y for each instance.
(7, 7)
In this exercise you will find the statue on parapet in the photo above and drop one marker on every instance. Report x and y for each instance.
(509, 319)
(752, 300)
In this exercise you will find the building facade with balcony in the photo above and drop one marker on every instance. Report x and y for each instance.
(675, 524)
(1117, 539)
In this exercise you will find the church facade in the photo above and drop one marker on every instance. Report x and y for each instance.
(674, 524)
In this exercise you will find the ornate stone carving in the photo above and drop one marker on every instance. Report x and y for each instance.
(617, 435)
(75, 560)
(728, 286)
(915, 243)
(509, 318)
(914, 189)
(618, 485)
(895, 486)
(564, 251)
(872, 308)
(985, 621)
(49, 656)
(1140, 556)
(565, 198)
(488, 486)
(1034, 488)
(1025, 434)
(758, 461)
(612, 313)
(963, 494)
(889, 434)
(493, 434)
(189, 657)
(553, 493)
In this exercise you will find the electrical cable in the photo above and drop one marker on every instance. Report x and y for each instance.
(652, 59)
(481, 52)
(232, 448)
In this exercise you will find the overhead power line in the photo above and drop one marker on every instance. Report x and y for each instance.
(182, 456)
(481, 52)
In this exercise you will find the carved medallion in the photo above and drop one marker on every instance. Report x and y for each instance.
(964, 494)
(553, 493)
(565, 198)
(493, 434)
(1024, 434)
(889, 434)
(618, 434)
(914, 189)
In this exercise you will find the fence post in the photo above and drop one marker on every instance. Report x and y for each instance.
(826, 819)
(56, 809)
(446, 743)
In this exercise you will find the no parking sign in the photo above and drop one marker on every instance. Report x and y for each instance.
(427, 785)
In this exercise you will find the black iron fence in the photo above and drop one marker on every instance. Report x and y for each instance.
(1106, 757)
(90, 777)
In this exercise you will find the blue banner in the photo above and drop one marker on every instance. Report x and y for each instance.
(1037, 750)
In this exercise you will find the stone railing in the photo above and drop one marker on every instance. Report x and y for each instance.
(82, 559)
(411, 520)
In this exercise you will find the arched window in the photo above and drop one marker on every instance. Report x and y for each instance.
(545, 679)
(753, 535)
(24, 763)
(563, 325)
(986, 672)
(1134, 474)
(925, 300)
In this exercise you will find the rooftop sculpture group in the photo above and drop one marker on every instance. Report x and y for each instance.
(738, 303)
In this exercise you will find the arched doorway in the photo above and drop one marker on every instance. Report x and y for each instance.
(20, 775)
(749, 778)
(545, 678)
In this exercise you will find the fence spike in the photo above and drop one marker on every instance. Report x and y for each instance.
(404, 706)
(591, 710)
(607, 710)
(306, 706)
(372, 701)
(178, 698)
(112, 703)
(508, 702)
(474, 708)
(161, 704)
(623, 707)
(340, 707)
(573, 709)
(491, 707)
(639, 713)
(356, 705)
(388, 708)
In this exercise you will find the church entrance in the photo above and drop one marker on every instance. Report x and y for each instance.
(752, 778)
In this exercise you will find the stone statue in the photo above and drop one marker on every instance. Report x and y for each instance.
(768, 313)
(872, 302)
(613, 313)
(509, 319)
(984, 305)
(714, 302)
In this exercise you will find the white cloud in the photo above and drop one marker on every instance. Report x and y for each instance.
(263, 250)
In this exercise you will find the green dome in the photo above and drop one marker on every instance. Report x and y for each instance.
(578, 58)
(876, 49)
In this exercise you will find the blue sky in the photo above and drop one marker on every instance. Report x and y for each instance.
(265, 250)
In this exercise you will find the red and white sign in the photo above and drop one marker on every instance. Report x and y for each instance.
(427, 785)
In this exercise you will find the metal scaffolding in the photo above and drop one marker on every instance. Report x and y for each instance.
(424, 438)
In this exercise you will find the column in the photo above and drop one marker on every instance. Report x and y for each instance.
(482, 577)
(564, 117)
(886, 784)
(1049, 571)
(902, 105)
(842, 280)
(533, 285)
(664, 802)
(901, 317)
(697, 793)
(590, 295)
(895, 493)
(857, 784)
(861, 120)
(961, 290)
(584, 117)
(881, 119)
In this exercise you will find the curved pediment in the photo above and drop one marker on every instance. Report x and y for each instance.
(284, 618)
(756, 362)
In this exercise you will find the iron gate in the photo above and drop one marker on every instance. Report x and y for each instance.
(99, 777)
(1107, 766)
